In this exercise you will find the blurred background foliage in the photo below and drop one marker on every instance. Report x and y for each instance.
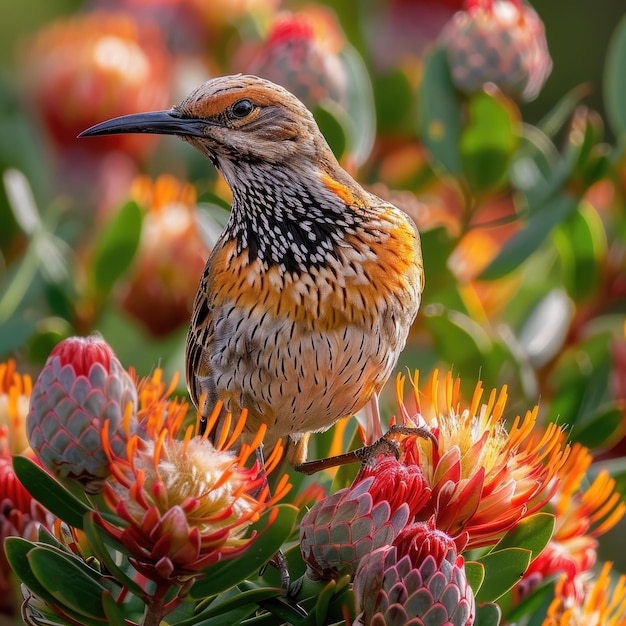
(520, 204)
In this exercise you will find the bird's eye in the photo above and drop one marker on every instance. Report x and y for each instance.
(241, 108)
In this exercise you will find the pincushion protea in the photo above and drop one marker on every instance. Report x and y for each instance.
(419, 580)
(484, 477)
(184, 502)
(81, 387)
(498, 41)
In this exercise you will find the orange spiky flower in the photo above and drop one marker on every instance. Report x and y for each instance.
(484, 476)
(185, 503)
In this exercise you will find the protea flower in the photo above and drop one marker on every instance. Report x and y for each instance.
(341, 529)
(581, 516)
(301, 53)
(601, 604)
(163, 280)
(484, 478)
(20, 515)
(184, 503)
(501, 42)
(419, 580)
(81, 387)
(95, 66)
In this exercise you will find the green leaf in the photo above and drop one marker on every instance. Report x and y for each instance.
(16, 551)
(49, 492)
(227, 574)
(614, 83)
(393, 94)
(489, 140)
(475, 573)
(539, 225)
(439, 120)
(604, 428)
(112, 610)
(488, 615)
(73, 583)
(581, 241)
(329, 119)
(96, 537)
(116, 247)
(503, 569)
(536, 603)
(532, 533)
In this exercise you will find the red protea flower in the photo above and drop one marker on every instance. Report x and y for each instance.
(81, 387)
(581, 516)
(501, 42)
(418, 580)
(601, 603)
(301, 53)
(484, 478)
(163, 280)
(20, 515)
(96, 66)
(341, 529)
(184, 502)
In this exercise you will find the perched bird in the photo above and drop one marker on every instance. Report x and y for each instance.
(307, 298)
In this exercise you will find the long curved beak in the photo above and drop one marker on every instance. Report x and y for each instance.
(168, 122)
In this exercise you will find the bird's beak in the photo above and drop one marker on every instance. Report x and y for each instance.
(169, 122)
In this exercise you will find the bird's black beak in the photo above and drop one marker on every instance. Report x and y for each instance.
(169, 122)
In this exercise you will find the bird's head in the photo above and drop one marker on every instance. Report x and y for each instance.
(232, 119)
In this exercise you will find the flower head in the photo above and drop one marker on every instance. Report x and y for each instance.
(498, 41)
(81, 387)
(183, 503)
(602, 604)
(163, 280)
(418, 580)
(484, 476)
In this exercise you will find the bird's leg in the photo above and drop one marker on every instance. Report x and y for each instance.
(387, 444)
(278, 560)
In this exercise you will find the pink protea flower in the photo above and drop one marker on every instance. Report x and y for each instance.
(484, 477)
(418, 580)
(501, 42)
(184, 502)
(81, 386)
(301, 53)
(341, 529)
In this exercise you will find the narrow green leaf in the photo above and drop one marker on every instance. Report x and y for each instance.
(72, 582)
(489, 140)
(604, 428)
(503, 569)
(112, 610)
(96, 536)
(49, 492)
(439, 120)
(532, 533)
(536, 603)
(227, 574)
(488, 615)
(116, 247)
(528, 240)
(614, 83)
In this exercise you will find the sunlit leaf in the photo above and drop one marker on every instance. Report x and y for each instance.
(488, 140)
(533, 533)
(116, 247)
(475, 573)
(503, 569)
(439, 119)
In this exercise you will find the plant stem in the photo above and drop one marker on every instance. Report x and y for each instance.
(155, 610)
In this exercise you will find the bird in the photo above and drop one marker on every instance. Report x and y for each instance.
(308, 296)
